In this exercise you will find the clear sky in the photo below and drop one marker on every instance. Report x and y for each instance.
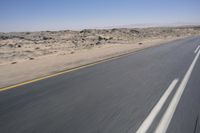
(35, 15)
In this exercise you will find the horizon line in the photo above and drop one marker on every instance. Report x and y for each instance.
(139, 25)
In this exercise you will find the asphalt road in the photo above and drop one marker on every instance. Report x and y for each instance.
(119, 96)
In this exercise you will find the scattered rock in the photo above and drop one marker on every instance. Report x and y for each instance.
(21, 37)
(72, 52)
(17, 45)
(98, 43)
(134, 31)
(28, 51)
(86, 31)
(140, 43)
(31, 58)
(11, 45)
(63, 54)
(46, 38)
(14, 62)
(110, 38)
(101, 38)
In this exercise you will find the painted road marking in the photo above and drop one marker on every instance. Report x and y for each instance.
(165, 121)
(57, 74)
(196, 50)
(154, 112)
(71, 70)
(74, 69)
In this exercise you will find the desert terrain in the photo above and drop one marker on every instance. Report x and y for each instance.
(28, 55)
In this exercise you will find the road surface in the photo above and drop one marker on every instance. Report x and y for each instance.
(153, 90)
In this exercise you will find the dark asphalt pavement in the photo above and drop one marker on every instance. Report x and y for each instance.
(111, 97)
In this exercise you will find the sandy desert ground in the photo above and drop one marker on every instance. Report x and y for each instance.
(28, 55)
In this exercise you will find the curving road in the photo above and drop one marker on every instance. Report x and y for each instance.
(153, 90)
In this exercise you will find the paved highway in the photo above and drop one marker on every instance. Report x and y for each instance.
(153, 90)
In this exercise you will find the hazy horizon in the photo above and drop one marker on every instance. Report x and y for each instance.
(113, 26)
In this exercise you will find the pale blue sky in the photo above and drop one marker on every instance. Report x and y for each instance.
(35, 15)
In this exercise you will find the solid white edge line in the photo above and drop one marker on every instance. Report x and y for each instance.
(196, 50)
(166, 119)
(152, 115)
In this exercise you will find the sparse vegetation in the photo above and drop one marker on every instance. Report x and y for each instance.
(43, 43)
